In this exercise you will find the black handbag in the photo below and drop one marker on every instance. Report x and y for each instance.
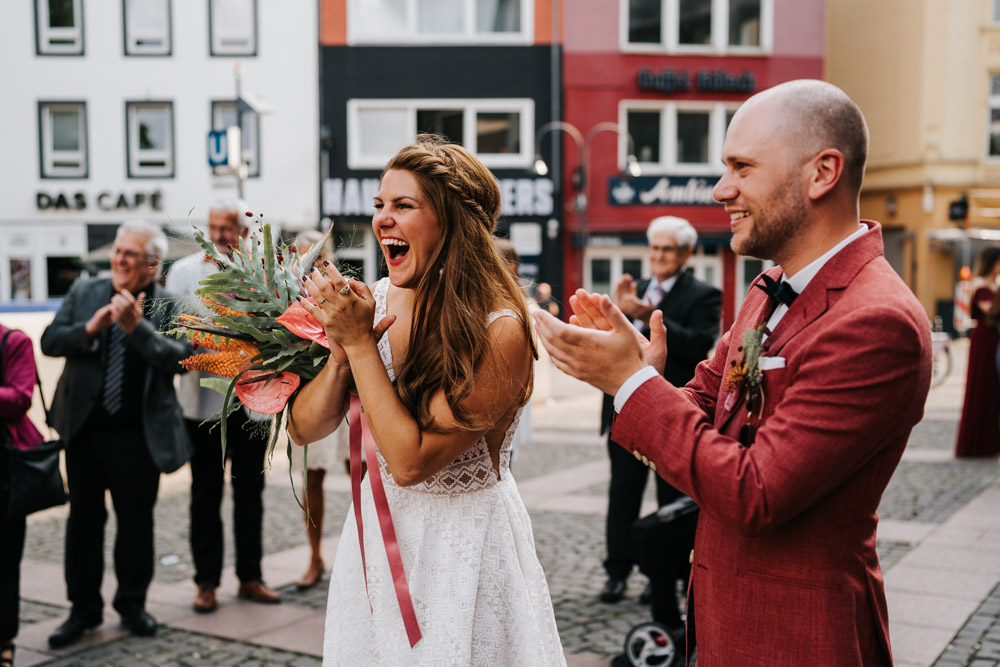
(34, 480)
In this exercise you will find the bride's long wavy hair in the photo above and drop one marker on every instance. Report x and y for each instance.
(465, 280)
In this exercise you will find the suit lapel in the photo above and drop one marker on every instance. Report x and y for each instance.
(820, 294)
(827, 286)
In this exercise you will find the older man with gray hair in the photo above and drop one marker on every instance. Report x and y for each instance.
(691, 311)
(117, 412)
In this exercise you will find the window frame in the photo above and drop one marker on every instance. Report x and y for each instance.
(251, 153)
(670, 11)
(357, 33)
(46, 153)
(218, 52)
(470, 108)
(133, 154)
(44, 33)
(130, 46)
(668, 165)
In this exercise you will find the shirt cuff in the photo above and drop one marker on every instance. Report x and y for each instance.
(631, 384)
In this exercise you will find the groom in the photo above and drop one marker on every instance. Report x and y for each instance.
(787, 448)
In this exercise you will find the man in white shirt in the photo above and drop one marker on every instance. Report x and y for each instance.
(247, 446)
(788, 436)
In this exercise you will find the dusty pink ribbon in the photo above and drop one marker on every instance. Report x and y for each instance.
(361, 438)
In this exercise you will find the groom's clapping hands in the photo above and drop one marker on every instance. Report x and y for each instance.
(600, 346)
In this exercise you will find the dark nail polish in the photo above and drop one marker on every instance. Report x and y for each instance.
(326, 262)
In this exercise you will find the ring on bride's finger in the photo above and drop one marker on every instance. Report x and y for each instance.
(320, 302)
(345, 289)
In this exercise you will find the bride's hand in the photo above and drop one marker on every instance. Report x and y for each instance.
(344, 308)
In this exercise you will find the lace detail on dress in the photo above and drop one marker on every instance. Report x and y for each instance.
(473, 470)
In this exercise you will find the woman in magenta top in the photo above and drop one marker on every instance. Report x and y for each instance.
(17, 385)
(979, 430)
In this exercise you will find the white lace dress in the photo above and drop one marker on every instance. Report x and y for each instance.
(478, 589)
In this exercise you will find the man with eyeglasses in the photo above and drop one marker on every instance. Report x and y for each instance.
(116, 410)
(691, 311)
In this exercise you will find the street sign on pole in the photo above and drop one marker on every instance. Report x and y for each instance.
(217, 148)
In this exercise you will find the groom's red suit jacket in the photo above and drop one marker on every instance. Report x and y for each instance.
(784, 566)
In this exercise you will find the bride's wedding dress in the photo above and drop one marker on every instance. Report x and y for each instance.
(477, 587)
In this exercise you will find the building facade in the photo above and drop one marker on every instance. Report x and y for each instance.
(659, 80)
(484, 73)
(926, 73)
(107, 117)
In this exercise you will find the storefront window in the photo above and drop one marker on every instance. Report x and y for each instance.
(645, 21)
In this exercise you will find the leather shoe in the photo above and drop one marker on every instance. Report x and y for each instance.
(204, 601)
(70, 631)
(258, 592)
(141, 624)
(614, 590)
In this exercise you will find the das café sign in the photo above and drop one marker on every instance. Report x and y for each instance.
(103, 201)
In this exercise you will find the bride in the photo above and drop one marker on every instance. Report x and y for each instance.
(442, 392)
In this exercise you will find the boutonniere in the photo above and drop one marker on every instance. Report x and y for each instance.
(744, 373)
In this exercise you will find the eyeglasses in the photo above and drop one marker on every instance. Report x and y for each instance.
(134, 256)
(666, 248)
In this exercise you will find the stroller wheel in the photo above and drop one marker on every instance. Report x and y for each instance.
(650, 645)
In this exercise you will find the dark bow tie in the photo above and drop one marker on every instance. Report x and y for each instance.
(779, 291)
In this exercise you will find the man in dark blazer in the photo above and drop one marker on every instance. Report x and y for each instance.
(691, 311)
(116, 409)
(789, 435)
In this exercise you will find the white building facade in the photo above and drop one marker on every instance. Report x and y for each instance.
(107, 117)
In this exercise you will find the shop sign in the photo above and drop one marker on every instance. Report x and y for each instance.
(104, 201)
(661, 190)
(518, 196)
(670, 81)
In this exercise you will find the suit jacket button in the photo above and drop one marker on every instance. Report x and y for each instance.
(652, 466)
(637, 455)
(691, 557)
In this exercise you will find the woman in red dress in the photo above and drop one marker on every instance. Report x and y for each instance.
(979, 430)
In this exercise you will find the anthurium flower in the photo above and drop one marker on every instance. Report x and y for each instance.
(266, 392)
(298, 320)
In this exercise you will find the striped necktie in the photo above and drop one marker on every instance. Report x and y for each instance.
(114, 370)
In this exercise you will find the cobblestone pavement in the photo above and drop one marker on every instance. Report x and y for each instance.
(978, 643)
(927, 488)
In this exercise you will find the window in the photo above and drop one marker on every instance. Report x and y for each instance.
(440, 21)
(996, 11)
(150, 139)
(674, 137)
(224, 115)
(697, 26)
(63, 139)
(233, 27)
(147, 27)
(59, 27)
(497, 131)
(994, 118)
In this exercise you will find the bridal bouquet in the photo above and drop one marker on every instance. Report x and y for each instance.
(263, 342)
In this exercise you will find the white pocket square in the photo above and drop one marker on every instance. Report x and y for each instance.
(770, 363)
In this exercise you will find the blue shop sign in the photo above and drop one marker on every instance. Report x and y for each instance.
(661, 190)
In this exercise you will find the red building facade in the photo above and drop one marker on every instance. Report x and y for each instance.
(659, 80)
